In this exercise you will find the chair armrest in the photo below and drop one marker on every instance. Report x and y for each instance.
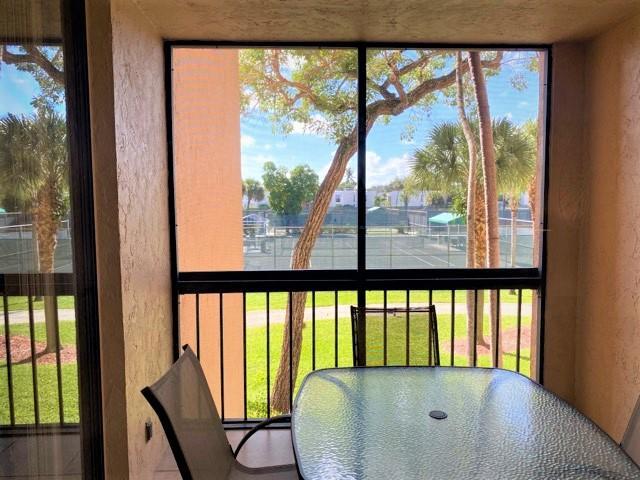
(260, 426)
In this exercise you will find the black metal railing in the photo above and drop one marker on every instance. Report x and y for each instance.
(38, 369)
(239, 332)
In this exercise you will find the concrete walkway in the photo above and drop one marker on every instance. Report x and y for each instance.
(22, 316)
(258, 318)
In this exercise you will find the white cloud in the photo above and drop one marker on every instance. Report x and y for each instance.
(252, 165)
(380, 171)
(259, 159)
(247, 141)
(298, 128)
(315, 126)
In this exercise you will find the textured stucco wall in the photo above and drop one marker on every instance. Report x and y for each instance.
(144, 226)
(608, 334)
(566, 162)
(130, 159)
(103, 146)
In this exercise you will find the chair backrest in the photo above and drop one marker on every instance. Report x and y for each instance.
(379, 336)
(182, 400)
(631, 439)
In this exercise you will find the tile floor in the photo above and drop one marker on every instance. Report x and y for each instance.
(58, 456)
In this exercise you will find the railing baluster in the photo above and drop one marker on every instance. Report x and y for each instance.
(496, 346)
(7, 341)
(475, 328)
(58, 360)
(453, 326)
(244, 353)
(384, 325)
(268, 360)
(519, 320)
(335, 328)
(291, 350)
(407, 346)
(34, 369)
(429, 339)
(313, 330)
(221, 357)
(198, 325)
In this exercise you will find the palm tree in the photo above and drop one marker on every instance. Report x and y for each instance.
(476, 225)
(253, 189)
(34, 169)
(487, 149)
(444, 165)
(441, 165)
(515, 161)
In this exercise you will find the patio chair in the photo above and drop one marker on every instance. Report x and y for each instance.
(182, 400)
(631, 439)
(372, 346)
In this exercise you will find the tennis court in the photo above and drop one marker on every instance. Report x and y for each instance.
(387, 247)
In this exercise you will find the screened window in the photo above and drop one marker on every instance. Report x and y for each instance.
(268, 175)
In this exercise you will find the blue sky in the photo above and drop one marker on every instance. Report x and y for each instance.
(387, 153)
(17, 89)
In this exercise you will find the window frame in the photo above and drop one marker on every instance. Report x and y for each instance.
(361, 279)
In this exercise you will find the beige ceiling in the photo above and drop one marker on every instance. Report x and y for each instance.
(475, 21)
(29, 20)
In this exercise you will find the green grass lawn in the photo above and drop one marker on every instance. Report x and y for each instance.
(47, 382)
(47, 393)
(256, 361)
(278, 300)
(326, 351)
(67, 331)
(22, 303)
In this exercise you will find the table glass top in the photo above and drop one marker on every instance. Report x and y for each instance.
(374, 423)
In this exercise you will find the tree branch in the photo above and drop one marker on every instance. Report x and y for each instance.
(386, 94)
(410, 67)
(34, 56)
(303, 90)
(395, 106)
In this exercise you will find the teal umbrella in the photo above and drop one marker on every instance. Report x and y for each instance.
(2, 210)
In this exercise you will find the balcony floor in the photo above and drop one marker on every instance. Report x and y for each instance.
(47, 456)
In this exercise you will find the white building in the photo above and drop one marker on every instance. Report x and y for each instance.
(396, 199)
(350, 198)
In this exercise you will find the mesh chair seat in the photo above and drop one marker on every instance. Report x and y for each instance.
(182, 400)
(395, 336)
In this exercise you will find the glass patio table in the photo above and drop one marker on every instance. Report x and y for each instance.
(386, 422)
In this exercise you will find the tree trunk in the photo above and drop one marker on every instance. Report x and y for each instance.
(472, 183)
(46, 227)
(480, 233)
(301, 256)
(490, 184)
(300, 260)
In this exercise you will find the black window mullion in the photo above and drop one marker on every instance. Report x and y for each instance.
(362, 187)
(362, 150)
